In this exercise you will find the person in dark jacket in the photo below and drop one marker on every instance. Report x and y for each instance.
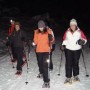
(18, 38)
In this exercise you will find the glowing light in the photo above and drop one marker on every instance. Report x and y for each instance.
(11, 20)
(48, 60)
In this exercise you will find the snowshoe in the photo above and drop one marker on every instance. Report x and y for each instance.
(68, 81)
(76, 79)
(46, 85)
(19, 72)
(40, 76)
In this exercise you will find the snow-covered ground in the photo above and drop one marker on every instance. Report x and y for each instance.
(9, 81)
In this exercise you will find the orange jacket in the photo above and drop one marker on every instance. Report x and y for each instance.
(11, 29)
(42, 41)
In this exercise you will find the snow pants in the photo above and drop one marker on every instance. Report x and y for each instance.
(43, 65)
(19, 54)
(72, 62)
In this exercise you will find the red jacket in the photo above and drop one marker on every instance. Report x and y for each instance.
(11, 29)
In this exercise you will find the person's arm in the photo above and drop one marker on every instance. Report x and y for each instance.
(51, 36)
(64, 41)
(34, 43)
(83, 37)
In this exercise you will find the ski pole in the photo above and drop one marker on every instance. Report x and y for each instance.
(29, 44)
(27, 61)
(10, 54)
(84, 64)
(60, 63)
(27, 73)
(27, 66)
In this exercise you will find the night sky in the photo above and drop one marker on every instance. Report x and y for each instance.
(78, 9)
(57, 8)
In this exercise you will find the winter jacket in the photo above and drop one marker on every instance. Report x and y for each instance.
(70, 39)
(42, 41)
(18, 38)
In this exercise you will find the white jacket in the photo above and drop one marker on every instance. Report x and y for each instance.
(70, 39)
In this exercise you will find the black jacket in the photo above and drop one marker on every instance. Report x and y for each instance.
(18, 38)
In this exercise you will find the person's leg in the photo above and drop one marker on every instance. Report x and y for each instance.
(46, 77)
(68, 66)
(77, 54)
(19, 52)
(40, 62)
(68, 63)
(13, 53)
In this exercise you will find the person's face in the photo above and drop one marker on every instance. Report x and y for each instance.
(73, 27)
(17, 27)
(41, 29)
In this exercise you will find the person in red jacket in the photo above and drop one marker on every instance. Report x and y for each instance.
(43, 40)
(11, 29)
(73, 40)
(9, 43)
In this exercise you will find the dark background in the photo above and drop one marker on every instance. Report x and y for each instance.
(60, 10)
(57, 8)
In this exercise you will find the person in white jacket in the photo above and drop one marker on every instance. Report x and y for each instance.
(73, 40)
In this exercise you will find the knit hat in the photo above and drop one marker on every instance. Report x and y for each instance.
(73, 22)
(41, 24)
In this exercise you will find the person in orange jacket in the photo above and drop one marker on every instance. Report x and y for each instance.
(9, 43)
(43, 40)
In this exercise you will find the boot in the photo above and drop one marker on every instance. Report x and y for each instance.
(68, 81)
(19, 72)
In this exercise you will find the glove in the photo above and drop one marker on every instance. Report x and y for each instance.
(50, 37)
(53, 47)
(81, 42)
(62, 47)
